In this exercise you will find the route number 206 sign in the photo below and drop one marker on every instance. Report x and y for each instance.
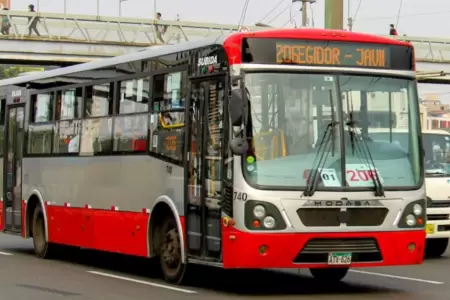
(360, 175)
(357, 175)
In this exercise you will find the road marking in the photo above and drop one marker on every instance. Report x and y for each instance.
(397, 277)
(5, 253)
(163, 286)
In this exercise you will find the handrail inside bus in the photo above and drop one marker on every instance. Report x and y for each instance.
(275, 143)
(166, 126)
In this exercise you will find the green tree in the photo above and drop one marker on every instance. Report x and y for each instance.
(9, 72)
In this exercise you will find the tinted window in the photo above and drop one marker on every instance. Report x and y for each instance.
(134, 96)
(98, 101)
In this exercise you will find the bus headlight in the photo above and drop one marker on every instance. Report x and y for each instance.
(410, 220)
(261, 215)
(269, 222)
(417, 209)
(259, 211)
(414, 215)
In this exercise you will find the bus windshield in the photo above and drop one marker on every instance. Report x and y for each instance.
(290, 113)
(436, 145)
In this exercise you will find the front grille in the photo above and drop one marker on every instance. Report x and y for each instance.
(317, 250)
(329, 217)
(443, 228)
(439, 204)
(438, 217)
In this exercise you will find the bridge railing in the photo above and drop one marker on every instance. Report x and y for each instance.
(98, 29)
(143, 32)
(436, 50)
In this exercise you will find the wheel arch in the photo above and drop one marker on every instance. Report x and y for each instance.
(32, 202)
(161, 204)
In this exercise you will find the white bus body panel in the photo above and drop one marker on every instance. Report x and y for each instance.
(438, 189)
(130, 183)
(288, 202)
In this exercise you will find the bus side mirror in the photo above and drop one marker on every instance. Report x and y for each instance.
(239, 144)
(236, 107)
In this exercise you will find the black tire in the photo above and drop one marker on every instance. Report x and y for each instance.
(42, 248)
(171, 263)
(435, 247)
(332, 275)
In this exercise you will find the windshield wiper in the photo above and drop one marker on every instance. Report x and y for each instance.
(328, 135)
(320, 159)
(358, 141)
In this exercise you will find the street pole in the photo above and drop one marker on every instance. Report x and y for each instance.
(304, 10)
(334, 14)
(98, 8)
(304, 13)
(349, 16)
(65, 8)
(154, 9)
(120, 7)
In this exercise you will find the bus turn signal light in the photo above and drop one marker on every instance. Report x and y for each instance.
(256, 224)
(227, 221)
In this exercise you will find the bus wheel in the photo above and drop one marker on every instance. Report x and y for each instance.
(170, 253)
(42, 248)
(333, 275)
(435, 247)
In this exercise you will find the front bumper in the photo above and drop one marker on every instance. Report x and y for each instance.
(286, 250)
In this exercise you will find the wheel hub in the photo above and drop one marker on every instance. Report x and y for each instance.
(39, 235)
(171, 249)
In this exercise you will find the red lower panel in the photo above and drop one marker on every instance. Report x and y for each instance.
(113, 231)
(242, 249)
(2, 217)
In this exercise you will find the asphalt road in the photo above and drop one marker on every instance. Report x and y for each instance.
(82, 274)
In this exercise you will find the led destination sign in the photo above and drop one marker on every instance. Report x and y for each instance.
(348, 55)
(327, 53)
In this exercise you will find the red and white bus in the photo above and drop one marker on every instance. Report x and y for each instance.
(239, 151)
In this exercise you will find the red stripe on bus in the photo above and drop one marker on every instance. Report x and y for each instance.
(103, 230)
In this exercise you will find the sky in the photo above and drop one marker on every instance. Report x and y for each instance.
(412, 17)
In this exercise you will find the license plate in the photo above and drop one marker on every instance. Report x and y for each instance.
(336, 258)
(430, 228)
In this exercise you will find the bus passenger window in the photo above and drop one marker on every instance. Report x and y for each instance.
(167, 122)
(130, 131)
(42, 108)
(134, 96)
(67, 139)
(68, 106)
(98, 102)
(169, 91)
(96, 136)
(40, 130)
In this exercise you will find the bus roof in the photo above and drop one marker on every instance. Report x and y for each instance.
(156, 51)
(401, 130)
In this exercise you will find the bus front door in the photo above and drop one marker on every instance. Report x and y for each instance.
(204, 137)
(12, 168)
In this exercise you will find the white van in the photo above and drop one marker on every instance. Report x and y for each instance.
(437, 182)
